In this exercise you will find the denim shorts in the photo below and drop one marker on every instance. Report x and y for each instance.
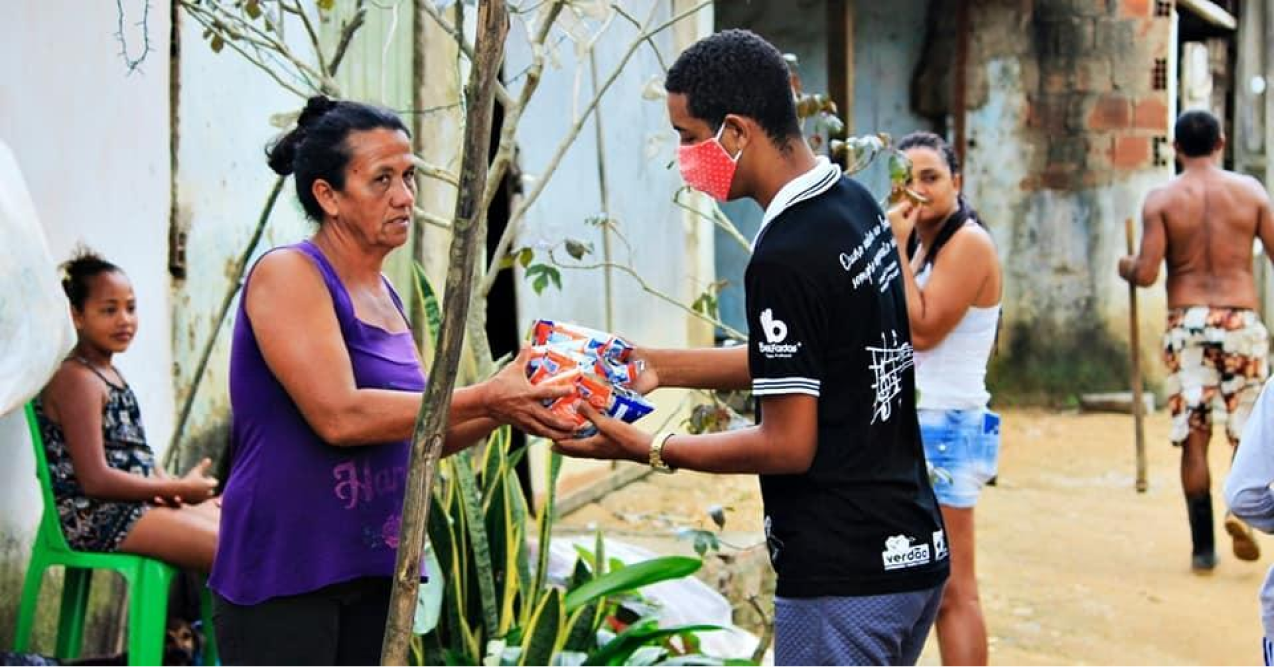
(963, 451)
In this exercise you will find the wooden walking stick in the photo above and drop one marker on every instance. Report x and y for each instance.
(1138, 407)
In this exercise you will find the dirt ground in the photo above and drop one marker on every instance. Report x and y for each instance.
(1075, 567)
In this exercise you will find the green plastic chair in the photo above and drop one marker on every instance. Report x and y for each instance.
(148, 583)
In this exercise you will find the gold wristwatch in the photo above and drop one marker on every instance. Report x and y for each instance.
(657, 450)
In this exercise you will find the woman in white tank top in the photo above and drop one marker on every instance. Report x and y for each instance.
(952, 276)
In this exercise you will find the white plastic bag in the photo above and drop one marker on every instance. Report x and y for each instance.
(36, 332)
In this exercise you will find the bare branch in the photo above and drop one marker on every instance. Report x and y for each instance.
(234, 27)
(433, 171)
(717, 218)
(515, 220)
(130, 62)
(430, 219)
(212, 22)
(348, 29)
(619, 9)
(650, 289)
(296, 9)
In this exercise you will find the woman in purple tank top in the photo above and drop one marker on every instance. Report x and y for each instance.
(325, 383)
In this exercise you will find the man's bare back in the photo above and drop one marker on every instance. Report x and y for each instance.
(1203, 223)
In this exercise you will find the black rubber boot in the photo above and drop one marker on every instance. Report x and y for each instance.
(1199, 509)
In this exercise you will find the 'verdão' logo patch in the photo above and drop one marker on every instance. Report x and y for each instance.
(899, 553)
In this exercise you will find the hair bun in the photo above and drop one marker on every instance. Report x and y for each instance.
(315, 107)
(281, 155)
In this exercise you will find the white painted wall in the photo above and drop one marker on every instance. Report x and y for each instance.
(92, 142)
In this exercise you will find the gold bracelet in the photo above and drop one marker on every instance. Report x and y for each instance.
(657, 450)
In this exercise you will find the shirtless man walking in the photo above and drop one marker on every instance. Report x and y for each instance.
(1203, 223)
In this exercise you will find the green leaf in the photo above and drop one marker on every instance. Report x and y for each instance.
(581, 575)
(325, 5)
(599, 553)
(541, 635)
(619, 650)
(581, 633)
(217, 43)
(541, 275)
(253, 9)
(632, 577)
(521, 514)
(471, 499)
(899, 168)
(577, 249)
(428, 302)
(646, 656)
(501, 533)
(717, 513)
(704, 542)
(525, 257)
(545, 523)
(493, 464)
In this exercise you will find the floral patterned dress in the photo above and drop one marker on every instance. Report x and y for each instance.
(90, 524)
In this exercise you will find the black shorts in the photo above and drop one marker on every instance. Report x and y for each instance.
(341, 624)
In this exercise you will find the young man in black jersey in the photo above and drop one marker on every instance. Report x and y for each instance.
(853, 527)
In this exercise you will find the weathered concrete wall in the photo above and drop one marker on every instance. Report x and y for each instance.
(92, 142)
(1063, 121)
(221, 185)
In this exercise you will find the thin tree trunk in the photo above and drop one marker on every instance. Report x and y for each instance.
(431, 422)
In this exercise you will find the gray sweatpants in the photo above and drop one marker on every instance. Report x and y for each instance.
(868, 630)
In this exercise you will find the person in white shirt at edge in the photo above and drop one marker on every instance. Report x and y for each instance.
(953, 282)
(1249, 497)
(852, 524)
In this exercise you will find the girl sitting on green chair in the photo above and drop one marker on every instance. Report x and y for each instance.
(111, 494)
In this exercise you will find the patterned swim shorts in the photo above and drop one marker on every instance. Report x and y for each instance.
(1217, 359)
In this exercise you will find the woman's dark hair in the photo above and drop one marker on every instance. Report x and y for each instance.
(317, 148)
(736, 71)
(963, 213)
(79, 271)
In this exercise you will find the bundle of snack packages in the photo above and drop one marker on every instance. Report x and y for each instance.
(598, 365)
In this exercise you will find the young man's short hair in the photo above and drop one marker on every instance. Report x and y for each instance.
(1197, 133)
(738, 72)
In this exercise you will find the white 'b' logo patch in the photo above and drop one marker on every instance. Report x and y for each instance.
(775, 330)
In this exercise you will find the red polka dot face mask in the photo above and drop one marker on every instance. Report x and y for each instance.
(707, 167)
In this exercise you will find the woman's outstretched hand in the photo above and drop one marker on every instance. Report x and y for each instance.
(511, 399)
(615, 440)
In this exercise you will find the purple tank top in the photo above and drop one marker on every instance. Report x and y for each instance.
(299, 514)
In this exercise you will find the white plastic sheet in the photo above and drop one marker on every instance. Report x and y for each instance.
(35, 323)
